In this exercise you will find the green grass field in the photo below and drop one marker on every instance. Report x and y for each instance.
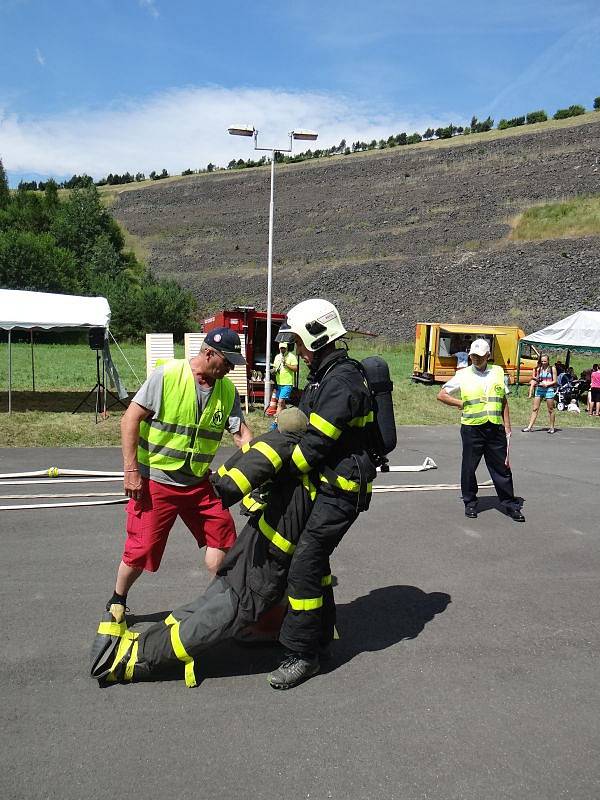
(579, 216)
(65, 373)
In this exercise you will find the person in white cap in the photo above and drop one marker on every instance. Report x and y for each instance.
(485, 428)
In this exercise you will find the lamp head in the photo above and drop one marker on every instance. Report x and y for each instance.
(304, 135)
(241, 130)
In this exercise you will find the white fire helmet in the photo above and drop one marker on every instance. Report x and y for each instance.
(317, 322)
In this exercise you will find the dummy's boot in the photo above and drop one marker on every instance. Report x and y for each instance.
(114, 651)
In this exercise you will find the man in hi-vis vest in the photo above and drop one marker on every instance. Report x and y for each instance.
(170, 434)
(485, 428)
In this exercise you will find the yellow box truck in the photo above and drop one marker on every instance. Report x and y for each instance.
(439, 347)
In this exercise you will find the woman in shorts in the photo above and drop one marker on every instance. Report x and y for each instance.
(595, 391)
(545, 378)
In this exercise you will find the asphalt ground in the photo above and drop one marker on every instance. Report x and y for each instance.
(467, 665)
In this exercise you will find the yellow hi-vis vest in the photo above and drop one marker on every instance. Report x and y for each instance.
(482, 400)
(176, 433)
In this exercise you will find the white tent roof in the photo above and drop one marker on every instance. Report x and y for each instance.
(580, 331)
(41, 310)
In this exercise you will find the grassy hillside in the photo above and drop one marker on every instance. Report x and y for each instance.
(579, 216)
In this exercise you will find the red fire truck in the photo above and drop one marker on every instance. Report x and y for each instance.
(253, 324)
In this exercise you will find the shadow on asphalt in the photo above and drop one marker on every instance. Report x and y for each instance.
(373, 622)
(488, 503)
(383, 618)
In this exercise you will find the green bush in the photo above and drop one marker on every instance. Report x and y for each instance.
(74, 246)
(511, 123)
(571, 111)
(596, 103)
(34, 262)
(536, 116)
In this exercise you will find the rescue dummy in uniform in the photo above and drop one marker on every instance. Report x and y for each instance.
(251, 580)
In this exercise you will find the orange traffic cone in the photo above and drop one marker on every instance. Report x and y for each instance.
(272, 409)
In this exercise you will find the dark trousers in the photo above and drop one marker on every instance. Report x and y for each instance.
(487, 440)
(331, 517)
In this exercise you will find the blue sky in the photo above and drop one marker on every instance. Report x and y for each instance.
(114, 85)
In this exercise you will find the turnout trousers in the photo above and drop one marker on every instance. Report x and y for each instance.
(487, 440)
(310, 619)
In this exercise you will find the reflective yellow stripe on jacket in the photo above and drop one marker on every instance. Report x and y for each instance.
(325, 427)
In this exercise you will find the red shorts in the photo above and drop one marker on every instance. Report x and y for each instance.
(150, 519)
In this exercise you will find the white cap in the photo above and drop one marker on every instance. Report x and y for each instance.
(480, 347)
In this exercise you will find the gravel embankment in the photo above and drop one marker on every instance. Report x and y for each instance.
(401, 236)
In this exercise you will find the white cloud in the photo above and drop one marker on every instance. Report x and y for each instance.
(150, 7)
(39, 57)
(188, 128)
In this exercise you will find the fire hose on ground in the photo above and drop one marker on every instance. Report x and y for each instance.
(58, 475)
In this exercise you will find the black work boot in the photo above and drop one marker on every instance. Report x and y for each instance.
(294, 669)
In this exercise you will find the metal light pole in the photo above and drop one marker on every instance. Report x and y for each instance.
(250, 130)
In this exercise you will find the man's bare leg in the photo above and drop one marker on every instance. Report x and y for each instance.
(213, 558)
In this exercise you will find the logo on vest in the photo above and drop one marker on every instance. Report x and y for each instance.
(499, 389)
(217, 418)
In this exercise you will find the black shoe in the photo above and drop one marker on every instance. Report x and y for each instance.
(515, 513)
(117, 607)
(470, 512)
(294, 669)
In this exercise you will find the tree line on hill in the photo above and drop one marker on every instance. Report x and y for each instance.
(343, 148)
(74, 246)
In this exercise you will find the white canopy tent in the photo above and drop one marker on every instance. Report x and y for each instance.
(40, 310)
(579, 331)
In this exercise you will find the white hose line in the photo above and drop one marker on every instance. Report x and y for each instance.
(433, 487)
(429, 463)
(66, 505)
(54, 481)
(55, 472)
(50, 496)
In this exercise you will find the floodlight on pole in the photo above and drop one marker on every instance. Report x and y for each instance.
(241, 130)
(301, 135)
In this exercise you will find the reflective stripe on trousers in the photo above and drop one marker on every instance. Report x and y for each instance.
(180, 651)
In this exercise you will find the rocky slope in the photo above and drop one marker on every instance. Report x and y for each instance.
(392, 237)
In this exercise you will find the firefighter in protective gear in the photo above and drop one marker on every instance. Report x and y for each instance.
(251, 580)
(485, 426)
(334, 454)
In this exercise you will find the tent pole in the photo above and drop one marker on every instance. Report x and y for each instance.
(518, 380)
(9, 372)
(32, 360)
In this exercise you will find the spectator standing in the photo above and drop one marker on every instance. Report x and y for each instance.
(285, 365)
(545, 390)
(595, 391)
(484, 430)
